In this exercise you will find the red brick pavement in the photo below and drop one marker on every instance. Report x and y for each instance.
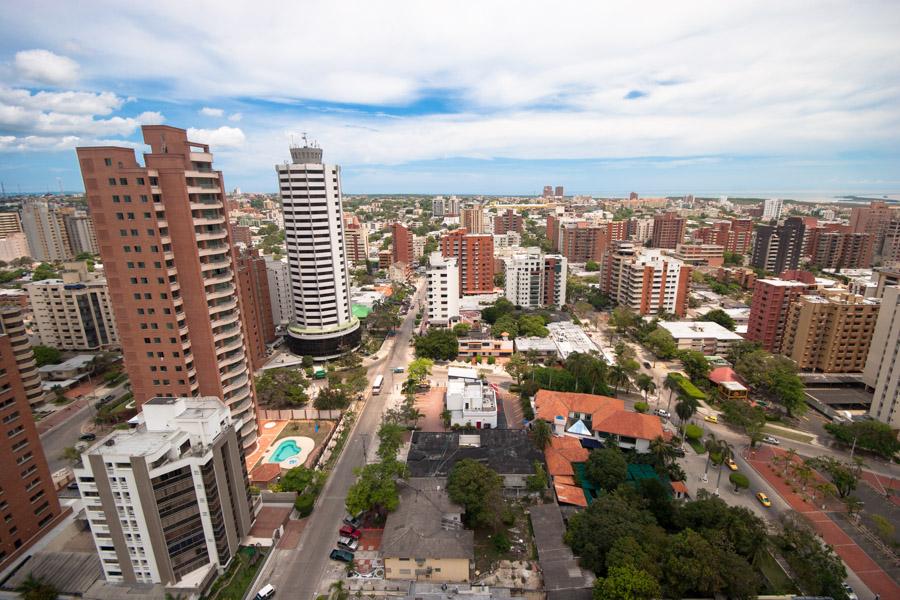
(292, 532)
(856, 558)
(268, 520)
(370, 539)
(51, 421)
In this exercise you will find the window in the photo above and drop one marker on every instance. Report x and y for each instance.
(107, 162)
(112, 181)
(123, 181)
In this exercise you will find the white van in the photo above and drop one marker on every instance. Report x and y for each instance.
(266, 592)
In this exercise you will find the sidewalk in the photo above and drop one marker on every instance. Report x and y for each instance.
(875, 578)
(51, 421)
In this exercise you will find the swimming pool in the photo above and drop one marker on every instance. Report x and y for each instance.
(285, 450)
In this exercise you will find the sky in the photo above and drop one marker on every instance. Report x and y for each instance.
(707, 97)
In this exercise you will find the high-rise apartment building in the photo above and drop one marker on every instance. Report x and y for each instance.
(472, 219)
(769, 310)
(830, 332)
(560, 191)
(534, 279)
(169, 264)
(772, 209)
(548, 191)
(324, 325)
(45, 228)
(168, 502)
(445, 207)
(28, 501)
(241, 234)
(280, 295)
(74, 312)
(668, 230)
(356, 240)
(734, 236)
(647, 281)
(875, 219)
(80, 232)
(882, 373)
(442, 292)
(12, 324)
(401, 244)
(475, 255)
(778, 249)
(13, 246)
(10, 223)
(700, 255)
(256, 305)
(841, 250)
(508, 220)
(581, 241)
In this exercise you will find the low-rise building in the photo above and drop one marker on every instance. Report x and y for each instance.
(570, 338)
(543, 347)
(707, 337)
(478, 344)
(471, 403)
(701, 255)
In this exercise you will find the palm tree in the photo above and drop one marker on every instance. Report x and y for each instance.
(35, 588)
(685, 409)
(617, 377)
(725, 451)
(712, 445)
(662, 451)
(541, 434)
(644, 382)
(338, 592)
(671, 384)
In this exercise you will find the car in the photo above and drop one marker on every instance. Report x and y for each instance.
(851, 595)
(678, 451)
(731, 464)
(663, 413)
(398, 369)
(711, 418)
(647, 365)
(107, 398)
(349, 543)
(354, 521)
(763, 499)
(88, 437)
(341, 555)
(266, 592)
(770, 440)
(349, 531)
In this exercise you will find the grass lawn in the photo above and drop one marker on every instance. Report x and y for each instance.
(777, 581)
(792, 435)
(233, 584)
(308, 429)
(698, 446)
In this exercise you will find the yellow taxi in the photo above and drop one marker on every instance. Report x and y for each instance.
(711, 418)
(763, 499)
(731, 464)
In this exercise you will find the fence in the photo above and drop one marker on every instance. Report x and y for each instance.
(300, 414)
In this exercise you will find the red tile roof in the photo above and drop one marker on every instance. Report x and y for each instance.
(265, 473)
(679, 486)
(608, 415)
(561, 453)
(721, 374)
(569, 494)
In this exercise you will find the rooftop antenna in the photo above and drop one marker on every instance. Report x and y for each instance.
(305, 141)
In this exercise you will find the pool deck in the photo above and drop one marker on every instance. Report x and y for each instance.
(267, 437)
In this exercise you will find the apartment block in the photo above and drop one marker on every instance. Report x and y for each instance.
(74, 312)
(701, 255)
(48, 238)
(668, 230)
(534, 279)
(769, 310)
(10, 223)
(168, 502)
(12, 324)
(772, 208)
(442, 292)
(13, 246)
(734, 236)
(475, 256)
(830, 333)
(28, 501)
(882, 373)
(418, 247)
(401, 244)
(241, 234)
(356, 240)
(80, 231)
(169, 264)
(778, 249)
(281, 297)
(841, 250)
(647, 281)
(256, 304)
(702, 336)
(508, 220)
(445, 207)
(875, 219)
(472, 219)
(581, 241)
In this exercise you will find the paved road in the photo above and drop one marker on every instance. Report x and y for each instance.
(298, 573)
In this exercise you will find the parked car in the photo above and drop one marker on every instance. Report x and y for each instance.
(711, 418)
(266, 592)
(851, 595)
(354, 521)
(770, 440)
(763, 499)
(398, 369)
(88, 437)
(678, 451)
(349, 543)
(731, 464)
(647, 365)
(349, 531)
(341, 555)
(663, 413)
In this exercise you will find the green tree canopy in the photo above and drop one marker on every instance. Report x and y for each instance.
(501, 307)
(477, 488)
(462, 329)
(695, 365)
(44, 271)
(281, 387)
(661, 343)
(591, 265)
(532, 326)
(870, 435)
(390, 438)
(420, 369)
(506, 324)
(606, 468)
(376, 487)
(437, 344)
(45, 355)
(35, 588)
(332, 398)
(721, 317)
(626, 583)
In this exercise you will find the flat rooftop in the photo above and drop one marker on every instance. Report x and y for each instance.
(699, 330)
(842, 397)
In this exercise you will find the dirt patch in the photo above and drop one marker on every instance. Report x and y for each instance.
(515, 574)
(431, 405)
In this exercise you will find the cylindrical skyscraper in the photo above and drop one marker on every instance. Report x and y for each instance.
(324, 325)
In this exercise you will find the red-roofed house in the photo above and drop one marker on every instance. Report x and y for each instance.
(728, 384)
(601, 416)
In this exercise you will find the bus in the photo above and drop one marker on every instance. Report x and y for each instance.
(376, 387)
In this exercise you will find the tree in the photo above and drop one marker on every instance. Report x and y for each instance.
(711, 516)
(874, 436)
(591, 265)
(331, 398)
(661, 343)
(477, 488)
(626, 583)
(695, 365)
(461, 329)
(645, 383)
(685, 409)
(725, 451)
(538, 481)
(719, 316)
(437, 344)
(842, 475)
(501, 307)
(517, 366)
(307, 362)
(739, 481)
(818, 570)
(296, 479)
(35, 588)
(606, 468)
(71, 454)
(44, 271)
(420, 369)
(376, 487)
(281, 387)
(390, 438)
(507, 324)
(45, 355)
(532, 326)
(622, 318)
(541, 434)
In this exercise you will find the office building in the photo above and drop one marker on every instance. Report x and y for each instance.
(508, 220)
(475, 256)
(169, 264)
(28, 501)
(401, 244)
(356, 240)
(442, 294)
(701, 255)
(772, 209)
(647, 281)
(841, 250)
(12, 324)
(281, 297)
(48, 239)
(472, 219)
(882, 373)
(323, 325)
(80, 232)
(256, 304)
(769, 310)
(74, 312)
(168, 502)
(534, 279)
(830, 332)
(668, 230)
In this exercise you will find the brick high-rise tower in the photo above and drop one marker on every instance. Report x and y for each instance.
(668, 230)
(170, 267)
(475, 255)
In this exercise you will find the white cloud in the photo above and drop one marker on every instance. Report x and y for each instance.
(151, 118)
(73, 103)
(43, 66)
(235, 117)
(223, 137)
(211, 112)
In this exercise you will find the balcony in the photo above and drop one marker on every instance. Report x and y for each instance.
(209, 250)
(204, 205)
(224, 320)
(218, 263)
(211, 235)
(232, 331)
(217, 279)
(209, 220)
(238, 357)
(217, 308)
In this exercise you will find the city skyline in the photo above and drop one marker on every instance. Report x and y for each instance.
(419, 100)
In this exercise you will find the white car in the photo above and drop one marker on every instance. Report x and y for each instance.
(770, 440)
(663, 413)
(349, 543)
(851, 595)
(266, 592)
